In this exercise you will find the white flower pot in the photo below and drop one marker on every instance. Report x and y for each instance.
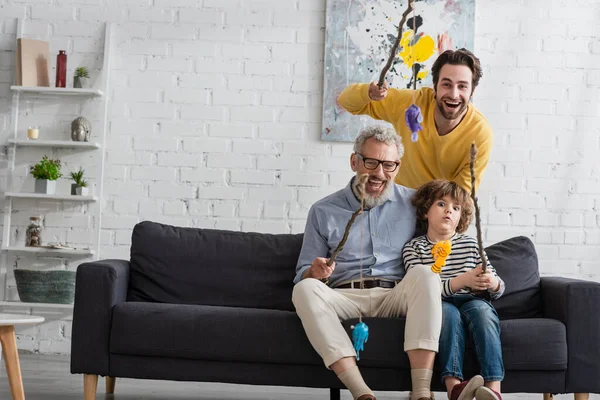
(45, 186)
(82, 191)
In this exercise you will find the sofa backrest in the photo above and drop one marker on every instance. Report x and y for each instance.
(244, 269)
(212, 267)
(516, 263)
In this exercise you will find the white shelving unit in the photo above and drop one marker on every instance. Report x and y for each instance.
(13, 193)
(20, 304)
(57, 91)
(50, 251)
(41, 196)
(65, 144)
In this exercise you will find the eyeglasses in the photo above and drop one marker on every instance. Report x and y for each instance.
(373, 163)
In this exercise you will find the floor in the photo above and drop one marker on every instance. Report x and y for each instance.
(48, 378)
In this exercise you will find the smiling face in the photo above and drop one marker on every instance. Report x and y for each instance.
(380, 183)
(453, 91)
(443, 217)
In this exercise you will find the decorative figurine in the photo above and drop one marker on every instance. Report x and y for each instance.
(81, 130)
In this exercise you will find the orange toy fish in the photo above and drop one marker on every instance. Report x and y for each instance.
(440, 251)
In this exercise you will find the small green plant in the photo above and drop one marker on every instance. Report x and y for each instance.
(46, 169)
(78, 178)
(82, 72)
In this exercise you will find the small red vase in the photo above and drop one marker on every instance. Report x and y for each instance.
(61, 69)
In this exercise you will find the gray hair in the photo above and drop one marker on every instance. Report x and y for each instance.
(381, 134)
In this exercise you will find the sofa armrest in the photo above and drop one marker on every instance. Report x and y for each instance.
(574, 303)
(99, 286)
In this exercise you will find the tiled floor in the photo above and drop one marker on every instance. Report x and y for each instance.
(48, 378)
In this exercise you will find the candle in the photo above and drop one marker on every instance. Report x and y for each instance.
(33, 133)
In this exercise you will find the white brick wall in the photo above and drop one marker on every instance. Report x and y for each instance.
(215, 120)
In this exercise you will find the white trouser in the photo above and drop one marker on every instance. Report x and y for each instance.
(321, 308)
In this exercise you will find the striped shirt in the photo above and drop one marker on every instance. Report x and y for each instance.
(463, 257)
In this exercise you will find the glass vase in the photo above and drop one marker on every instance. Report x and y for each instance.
(61, 69)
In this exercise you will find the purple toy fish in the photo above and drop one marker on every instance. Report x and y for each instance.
(413, 118)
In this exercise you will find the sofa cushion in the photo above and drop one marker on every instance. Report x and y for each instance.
(210, 333)
(212, 267)
(522, 348)
(516, 262)
(271, 336)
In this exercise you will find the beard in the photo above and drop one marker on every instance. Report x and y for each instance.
(370, 200)
(454, 113)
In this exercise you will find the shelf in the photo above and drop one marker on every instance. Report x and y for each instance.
(67, 197)
(58, 91)
(34, 305)
(46, 250)
(55, 143)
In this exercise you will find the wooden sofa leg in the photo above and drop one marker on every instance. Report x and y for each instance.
(90, 383)
(110, 384)
(582, 396)
(548, 396)
(334, 394)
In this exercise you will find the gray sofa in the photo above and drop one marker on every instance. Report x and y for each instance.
(215, 306)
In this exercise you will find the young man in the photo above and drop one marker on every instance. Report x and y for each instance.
(450, 122)
(390, 292)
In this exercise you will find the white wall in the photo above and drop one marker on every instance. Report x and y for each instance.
(215, 119)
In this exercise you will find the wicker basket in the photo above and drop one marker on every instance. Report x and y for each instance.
(56, 287)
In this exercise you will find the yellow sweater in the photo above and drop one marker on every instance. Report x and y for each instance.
(432, 156)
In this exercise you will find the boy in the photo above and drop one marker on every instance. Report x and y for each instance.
(444, 211)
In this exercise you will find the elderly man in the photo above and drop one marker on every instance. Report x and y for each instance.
(324, 295)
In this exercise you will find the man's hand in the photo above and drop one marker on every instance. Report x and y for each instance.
(377, 94)
(444, 43)
(319, 269)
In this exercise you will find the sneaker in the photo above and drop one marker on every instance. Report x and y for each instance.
(484, 393)
(466, 389)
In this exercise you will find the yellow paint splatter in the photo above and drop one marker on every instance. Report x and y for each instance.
(419, 52)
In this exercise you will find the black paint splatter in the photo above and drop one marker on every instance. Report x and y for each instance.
(411, 22)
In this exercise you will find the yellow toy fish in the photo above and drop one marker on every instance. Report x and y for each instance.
(440, 251)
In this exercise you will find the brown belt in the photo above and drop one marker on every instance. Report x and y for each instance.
(368, 284)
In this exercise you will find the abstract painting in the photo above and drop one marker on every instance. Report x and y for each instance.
(359, 37)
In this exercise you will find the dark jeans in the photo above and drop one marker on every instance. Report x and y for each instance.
(462, 314)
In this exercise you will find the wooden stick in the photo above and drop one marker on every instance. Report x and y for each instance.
(477, 216)
(394, 50)
(362, 181)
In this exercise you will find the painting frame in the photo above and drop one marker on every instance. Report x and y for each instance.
(359, 38)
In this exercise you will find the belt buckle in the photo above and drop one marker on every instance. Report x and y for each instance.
(366, 284)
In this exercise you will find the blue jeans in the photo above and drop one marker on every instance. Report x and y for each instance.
(462, 314)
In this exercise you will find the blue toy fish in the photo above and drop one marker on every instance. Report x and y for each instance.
(360, 335)
(413, 119)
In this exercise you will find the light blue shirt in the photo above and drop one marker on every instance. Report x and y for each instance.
(377, 235)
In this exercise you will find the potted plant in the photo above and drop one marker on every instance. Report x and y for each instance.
(80, 187)
(46, 172)
(81, 77)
